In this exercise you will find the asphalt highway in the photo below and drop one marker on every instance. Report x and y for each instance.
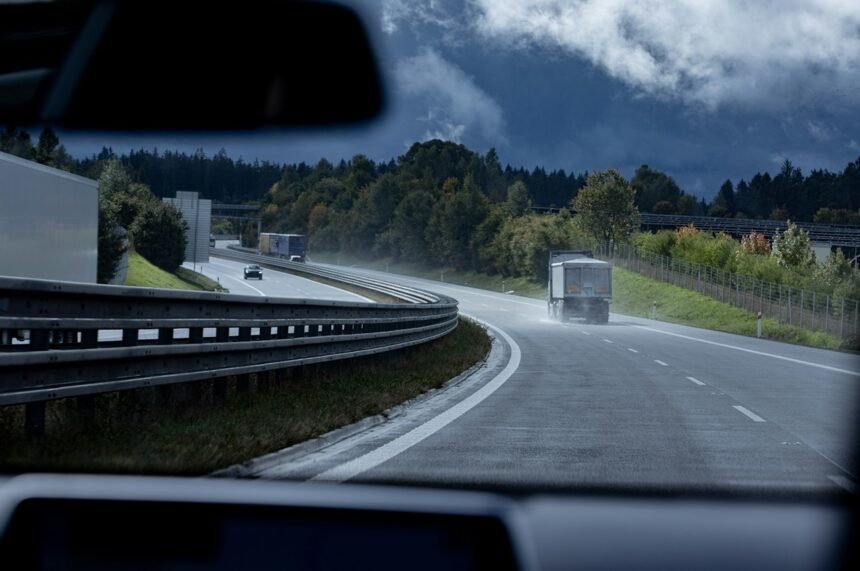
(631, 403)
(229, 274)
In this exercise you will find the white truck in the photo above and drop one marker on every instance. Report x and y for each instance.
(48, 222)
(579, 286)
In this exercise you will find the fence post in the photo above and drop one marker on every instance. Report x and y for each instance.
(855, 318)
(813, 311)
(801, 307)
(789, 305)
(699, 281)
(737, 291)
(827, 314)
(842, 318)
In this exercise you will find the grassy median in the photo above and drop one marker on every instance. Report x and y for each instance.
(134, 434)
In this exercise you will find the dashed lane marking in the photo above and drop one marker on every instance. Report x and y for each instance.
(753, 351)
(747, 412)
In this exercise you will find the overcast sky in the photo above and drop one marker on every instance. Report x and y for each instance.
(702, 89)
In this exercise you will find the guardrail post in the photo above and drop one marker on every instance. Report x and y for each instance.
(89, 338)
(39, 339)
(86, 405)
(219, 390)
(242, 382)
(195, 391)
(34, 419)
(129, 337)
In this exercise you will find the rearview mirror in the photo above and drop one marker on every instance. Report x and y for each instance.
(167, 65)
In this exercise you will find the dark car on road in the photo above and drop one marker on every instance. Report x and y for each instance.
(253, 271)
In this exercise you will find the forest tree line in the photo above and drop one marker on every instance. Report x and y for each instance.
(443, 204)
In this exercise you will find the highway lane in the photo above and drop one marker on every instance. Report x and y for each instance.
(274, 284)
(639, 402)
(230, 275)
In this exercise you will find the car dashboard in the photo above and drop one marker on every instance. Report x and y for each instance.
(117, 522)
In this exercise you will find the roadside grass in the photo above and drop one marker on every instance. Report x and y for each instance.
(133, 435)
(143, 273)
(198, 279)
(633, 294)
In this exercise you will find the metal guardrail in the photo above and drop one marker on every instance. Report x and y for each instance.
(64, 339)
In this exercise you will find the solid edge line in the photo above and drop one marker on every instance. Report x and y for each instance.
(374, 458)
(695, 380)
(659, 362)
(747, 412)
(753, 351)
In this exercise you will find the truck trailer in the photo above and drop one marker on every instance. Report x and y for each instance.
(49, 222)
(284, 246)
(579, 286)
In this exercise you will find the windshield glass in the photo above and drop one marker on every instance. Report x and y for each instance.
(709, 154)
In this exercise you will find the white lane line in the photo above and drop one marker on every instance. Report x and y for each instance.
(753, 351)
(659, 362)
(585, 332)
(402, 443)
(244, 283)
(632, 350)
(748, 412)
(608, 341)
(695, 380)
(843, 483)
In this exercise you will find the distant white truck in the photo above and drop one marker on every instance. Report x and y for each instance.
(579, 286)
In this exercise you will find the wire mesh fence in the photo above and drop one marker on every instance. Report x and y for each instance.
(804, 308)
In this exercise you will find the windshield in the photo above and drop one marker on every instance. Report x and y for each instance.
(708, 156)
